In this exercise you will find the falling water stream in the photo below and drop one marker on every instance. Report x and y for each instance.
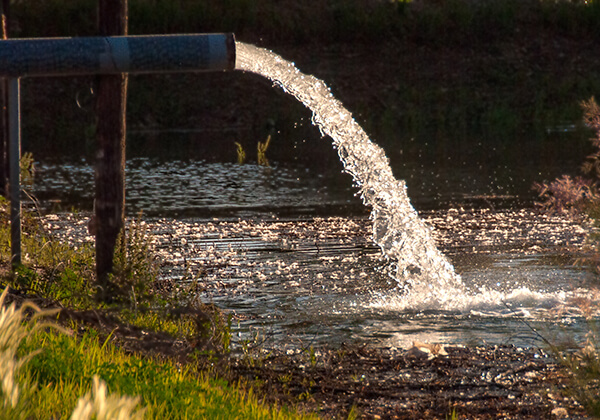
(318, 279)
(402, 236)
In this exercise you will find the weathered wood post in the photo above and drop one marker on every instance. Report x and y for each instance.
(111, 105)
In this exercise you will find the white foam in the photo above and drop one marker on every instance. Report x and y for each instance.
(520, 302)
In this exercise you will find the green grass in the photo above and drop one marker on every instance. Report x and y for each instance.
(65, 368)
(47, 373)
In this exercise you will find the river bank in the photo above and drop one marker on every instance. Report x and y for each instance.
(425, 381)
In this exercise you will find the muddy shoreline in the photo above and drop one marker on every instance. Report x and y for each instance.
(486, 382)
(425, 381)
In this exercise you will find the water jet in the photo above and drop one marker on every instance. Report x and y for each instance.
(402, 236)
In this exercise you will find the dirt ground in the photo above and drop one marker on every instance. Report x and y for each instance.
(424, 382)
(475, 383)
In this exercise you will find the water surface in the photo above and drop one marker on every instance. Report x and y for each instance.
(301, 256)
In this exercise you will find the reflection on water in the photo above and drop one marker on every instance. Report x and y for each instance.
(322, 281)
(204, 189)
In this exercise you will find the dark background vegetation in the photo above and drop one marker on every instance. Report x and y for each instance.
(460, 73)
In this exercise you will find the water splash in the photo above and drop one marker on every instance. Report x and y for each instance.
(405, 240)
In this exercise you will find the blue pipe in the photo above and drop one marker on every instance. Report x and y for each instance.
(110, 55)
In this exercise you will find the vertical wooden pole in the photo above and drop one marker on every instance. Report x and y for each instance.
(111, 99)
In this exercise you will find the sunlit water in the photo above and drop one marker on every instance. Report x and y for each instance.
(322, 280)
(426, 279)
(249, 236)
(200, 189)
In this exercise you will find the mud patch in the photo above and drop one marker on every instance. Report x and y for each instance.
(482, 382)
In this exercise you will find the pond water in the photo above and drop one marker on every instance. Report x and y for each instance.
(291, 251)
(291, 256)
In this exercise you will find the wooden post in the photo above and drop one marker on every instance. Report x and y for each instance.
(111, 99)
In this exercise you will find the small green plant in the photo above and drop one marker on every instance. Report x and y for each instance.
(27, 166)
(262, 150)
(452, 415)
(311, 355)
(285, 378)
(354, 413)
(241, 154)
(214, 330)
(135, 266)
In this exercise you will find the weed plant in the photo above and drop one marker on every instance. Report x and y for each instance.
(261, 149)
(241, 154)
(135, 267)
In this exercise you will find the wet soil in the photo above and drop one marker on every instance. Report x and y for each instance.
(477, 383)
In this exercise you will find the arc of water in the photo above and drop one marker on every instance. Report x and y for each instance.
(402, 236)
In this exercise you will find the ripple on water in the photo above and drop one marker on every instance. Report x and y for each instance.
(322, 280)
